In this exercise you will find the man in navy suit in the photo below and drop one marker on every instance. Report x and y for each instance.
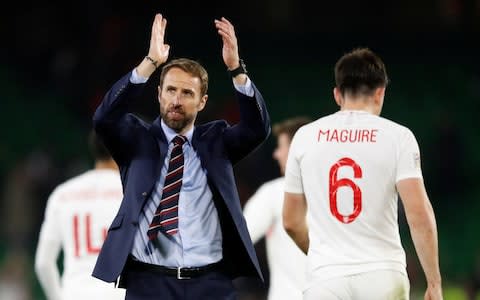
(180, 232)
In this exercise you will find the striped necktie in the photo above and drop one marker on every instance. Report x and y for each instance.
(165, 218)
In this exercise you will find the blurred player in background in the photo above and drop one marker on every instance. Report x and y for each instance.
(347, 168)
(76, 220)
(263, 213)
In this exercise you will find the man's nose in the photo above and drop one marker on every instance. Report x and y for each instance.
(176, 100)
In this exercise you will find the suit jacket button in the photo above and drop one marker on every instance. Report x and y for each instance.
(144, 194)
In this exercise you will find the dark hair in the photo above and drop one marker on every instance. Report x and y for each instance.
(191, 67)
(360, 72)
(290, 126)
(97, 147)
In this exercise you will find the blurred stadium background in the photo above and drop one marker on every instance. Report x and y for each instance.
(59, 58)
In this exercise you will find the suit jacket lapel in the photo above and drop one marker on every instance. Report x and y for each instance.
(201, 143)
(200, 146)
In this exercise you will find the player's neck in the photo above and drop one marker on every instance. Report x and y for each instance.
(361, 104)
(106, 165)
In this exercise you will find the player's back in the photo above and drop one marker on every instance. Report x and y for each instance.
(349, 163)
(84, 208)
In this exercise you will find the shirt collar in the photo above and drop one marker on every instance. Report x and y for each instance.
(170, 133)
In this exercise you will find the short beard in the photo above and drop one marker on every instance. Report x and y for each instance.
(176, 125)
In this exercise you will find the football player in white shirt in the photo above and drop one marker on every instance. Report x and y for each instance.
(76, 220)
(263, 214)
(347, 168)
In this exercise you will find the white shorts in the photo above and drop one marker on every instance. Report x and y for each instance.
(375, 285)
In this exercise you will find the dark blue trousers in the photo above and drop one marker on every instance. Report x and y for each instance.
(144, 285)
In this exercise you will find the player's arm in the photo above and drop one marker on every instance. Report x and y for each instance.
(295, 219)
(46, 268)
(111, 119)
(259, 213)
(48, 249)
(423, 229)
(158, 51)
(253, 128)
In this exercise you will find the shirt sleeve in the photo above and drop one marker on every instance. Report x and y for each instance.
(245, 89)
(409, 164)
(136, 79)
(48, 249)
(258, 213)
(293, 174)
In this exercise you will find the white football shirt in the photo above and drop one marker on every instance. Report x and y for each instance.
(78, 214)
(286, 262)
(347, 165)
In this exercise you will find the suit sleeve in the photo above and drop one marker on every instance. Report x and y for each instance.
(252, 129)
(112, 120)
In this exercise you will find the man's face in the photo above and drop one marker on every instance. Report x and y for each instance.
(180, 100)
(281, 151)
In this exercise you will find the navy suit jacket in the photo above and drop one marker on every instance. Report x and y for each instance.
(139, 148)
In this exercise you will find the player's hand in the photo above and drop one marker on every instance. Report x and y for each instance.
(158, 49)
(433, 293)
(230, 46)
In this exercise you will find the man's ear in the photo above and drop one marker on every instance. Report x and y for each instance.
(379, 95)
(159, 90)
(203, 102)
(338, 96)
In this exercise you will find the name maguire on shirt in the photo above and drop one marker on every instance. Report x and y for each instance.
(347, 135)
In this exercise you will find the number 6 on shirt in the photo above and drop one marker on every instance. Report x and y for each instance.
(335, 183)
